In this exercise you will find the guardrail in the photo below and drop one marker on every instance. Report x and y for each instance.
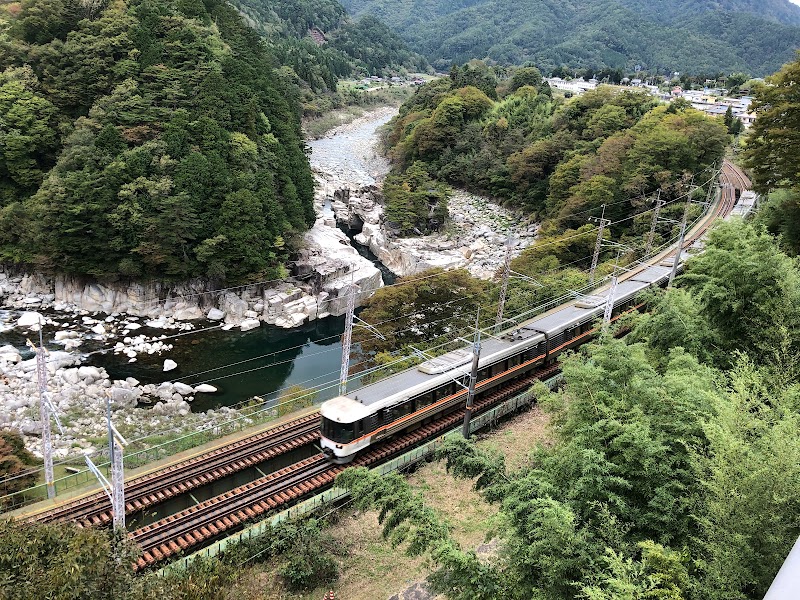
(334, 495)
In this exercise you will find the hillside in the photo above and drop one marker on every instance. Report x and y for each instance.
(349, 46)
(694, 36)
(146, 139)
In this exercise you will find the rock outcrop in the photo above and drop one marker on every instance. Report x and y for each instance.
(475, 238)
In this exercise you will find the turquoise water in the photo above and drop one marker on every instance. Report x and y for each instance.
(262, 361)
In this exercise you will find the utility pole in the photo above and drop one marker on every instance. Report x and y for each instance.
(680, 242)
(473, 376)
(347, 339)
(504, 287)
(115, 489)
(652, 235)
(603, 223)
(115, 444)
(44, 414)
(612, 292)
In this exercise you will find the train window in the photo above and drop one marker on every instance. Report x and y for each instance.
(341, 433)
(483, 374)
(370, 423)
(514, 361)
(497, 368)
(425, 400)
(443, 392)
(327, 428)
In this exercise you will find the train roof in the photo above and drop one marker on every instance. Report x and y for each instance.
(344, 410)
(410, 378)
(436, 371)
(746, 204)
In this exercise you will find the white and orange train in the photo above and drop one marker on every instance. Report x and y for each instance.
(419, 395)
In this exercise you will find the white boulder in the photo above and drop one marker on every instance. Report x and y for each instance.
(169, 365)
(183, 389)
(204, 388)
(215, 314)
(29, 319)
(249, 324)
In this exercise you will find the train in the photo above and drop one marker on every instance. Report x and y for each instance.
(405, 401)
(352, 423)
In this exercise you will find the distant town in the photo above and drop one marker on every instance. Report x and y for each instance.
(711, 100)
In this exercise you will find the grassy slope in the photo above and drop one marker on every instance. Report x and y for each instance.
(371, 568)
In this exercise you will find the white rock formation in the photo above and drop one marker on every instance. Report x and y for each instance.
(204, 388)
(249, 324)
(28, 319)
(215, 314)
(169, 365)
(474, 239)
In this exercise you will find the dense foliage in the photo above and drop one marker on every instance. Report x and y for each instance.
(63, 562)
(772, 155)
(362, 46)
(427, 312)
(554, 159)
(146, 139)
(662, 37)
(674, 470)
(414, 203)
(17, 465)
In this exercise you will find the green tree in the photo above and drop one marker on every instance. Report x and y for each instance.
(425, 312)
(525, 76)
(64, 561)
(28, 135)
(17, 464)
(749, 291)
(415, 204)
(752, 456)
(775, 134)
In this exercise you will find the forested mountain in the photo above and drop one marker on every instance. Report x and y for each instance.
(349, 46)
(556, 160)
(694, 36)
(147, 138)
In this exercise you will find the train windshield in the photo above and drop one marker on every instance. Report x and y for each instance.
(341, 433)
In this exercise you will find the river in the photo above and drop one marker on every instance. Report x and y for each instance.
(264, 361)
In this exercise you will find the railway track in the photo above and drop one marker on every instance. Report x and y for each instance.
(225, 513)
(180, 478)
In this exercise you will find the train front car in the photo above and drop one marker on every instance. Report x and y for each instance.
(342, 435)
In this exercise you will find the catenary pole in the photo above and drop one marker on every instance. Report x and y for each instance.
(680, 242)
(504, 286)
(473, 376)
(603, 223)
(652, 234)
(347, 339)
(44, 414)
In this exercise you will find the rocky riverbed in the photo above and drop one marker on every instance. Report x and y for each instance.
(85, 317)
(475, 238)
(78, 392)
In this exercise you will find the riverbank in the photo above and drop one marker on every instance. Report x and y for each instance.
(249, 341)
(242, 342)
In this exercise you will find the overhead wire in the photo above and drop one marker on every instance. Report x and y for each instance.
(334, 382)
